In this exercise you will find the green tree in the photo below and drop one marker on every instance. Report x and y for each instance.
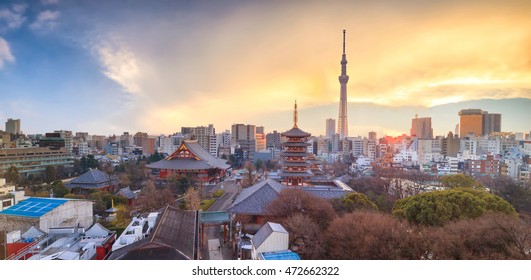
(440, 207)
(59, 189)
(123, 217)
(351, 202)
(460, 181)
(50, 174)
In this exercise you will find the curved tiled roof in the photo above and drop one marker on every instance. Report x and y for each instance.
(295, 132)
(206, 160)
(254, 199)
(91, 179)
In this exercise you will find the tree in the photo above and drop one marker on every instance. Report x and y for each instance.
(50, 174)
(192, 199)
(440, 207)
(304, 236)
(181, 184)
(249, 177)
(59, 190)
(376, 189)
(123, 217)
(517, 194)
(460, 181)
(259, 165)
(151, 198)
(370, 235)
(351, 202)
(292, 201)
(492, 236)
(12, 175)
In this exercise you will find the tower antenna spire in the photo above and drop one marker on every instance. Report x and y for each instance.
(344, 34)
(295, 115)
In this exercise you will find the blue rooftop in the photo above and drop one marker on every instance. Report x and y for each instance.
(281, 255)
(34, 207)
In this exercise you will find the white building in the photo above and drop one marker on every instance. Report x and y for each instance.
(270, 238)
(138, 229)
(47, 213)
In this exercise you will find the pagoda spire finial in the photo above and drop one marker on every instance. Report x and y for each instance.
(295, 115)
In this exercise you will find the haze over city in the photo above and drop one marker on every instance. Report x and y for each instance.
(106, 67)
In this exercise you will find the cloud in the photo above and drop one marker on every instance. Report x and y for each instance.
(46, 20)
(120, 65)
(49, 2)
(5, 53)
(12, 18)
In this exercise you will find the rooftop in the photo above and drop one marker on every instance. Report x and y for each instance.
(34, 207)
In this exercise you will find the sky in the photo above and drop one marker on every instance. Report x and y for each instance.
(106, 67)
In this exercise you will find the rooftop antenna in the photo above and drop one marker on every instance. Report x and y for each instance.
(344, 34)
(295, 115)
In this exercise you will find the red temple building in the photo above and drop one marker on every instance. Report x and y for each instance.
(194, 161)
(295, 164)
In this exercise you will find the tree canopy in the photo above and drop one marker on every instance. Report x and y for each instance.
(351, 202)
(440, 207)
(460, 181)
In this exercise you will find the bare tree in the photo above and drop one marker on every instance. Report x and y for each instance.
(192, 199)
(151, 198)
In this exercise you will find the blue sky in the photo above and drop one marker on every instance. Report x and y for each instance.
(105, 67)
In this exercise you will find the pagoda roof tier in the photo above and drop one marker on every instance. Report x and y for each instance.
(295, 132)
(296, 144)
(190, 156)
(294, 154)
(302, 163)
(295, 174)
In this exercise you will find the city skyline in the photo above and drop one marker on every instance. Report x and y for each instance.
(157, 67)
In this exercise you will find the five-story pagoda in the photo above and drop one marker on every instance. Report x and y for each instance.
(295, 164)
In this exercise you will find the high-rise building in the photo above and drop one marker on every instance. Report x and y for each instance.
(372, 136)
(13, 126)
(491, 123)
(421, 127)
(273, 140)
(470, 121)
(342, 123)
(260, 139)
(478, 122)
(148, 145)
(67, 135)
(139, 138)
(330, 127)
(202, 135)
(245, 136)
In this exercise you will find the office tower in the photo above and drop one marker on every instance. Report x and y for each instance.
(13, 126)
(491, 123)
(372, 136)
(330, 127)
(470, 121)
(245, 136)
(421, 127)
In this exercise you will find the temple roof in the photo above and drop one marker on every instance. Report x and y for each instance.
(295, 132)
(255, 199)
(127, 193)
(293, 154)
(296, 174)
(296, 144)
(92, 179)
(196, 158)
(173, 237)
